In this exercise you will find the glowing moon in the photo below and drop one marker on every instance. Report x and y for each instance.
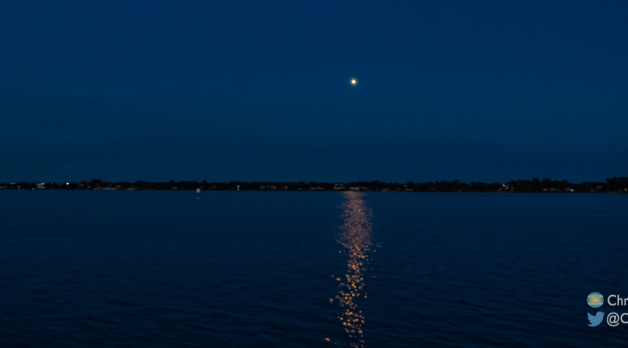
(354, 81)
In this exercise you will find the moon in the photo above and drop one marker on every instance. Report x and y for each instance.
(354, 81)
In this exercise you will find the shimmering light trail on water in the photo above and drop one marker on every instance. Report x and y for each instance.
(355, 239)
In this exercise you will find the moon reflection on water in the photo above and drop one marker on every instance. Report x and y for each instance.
(355, 238)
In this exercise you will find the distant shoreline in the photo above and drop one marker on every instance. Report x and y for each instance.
(610, 185)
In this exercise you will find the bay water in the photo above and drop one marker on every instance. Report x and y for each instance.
(306, 269)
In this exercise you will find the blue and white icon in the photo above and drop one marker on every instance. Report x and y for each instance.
(595, 320)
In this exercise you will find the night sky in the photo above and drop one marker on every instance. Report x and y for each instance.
(260, 90)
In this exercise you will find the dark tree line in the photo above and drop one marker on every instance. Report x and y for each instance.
(610, 185)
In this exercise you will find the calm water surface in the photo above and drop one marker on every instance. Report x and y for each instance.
(301, 269)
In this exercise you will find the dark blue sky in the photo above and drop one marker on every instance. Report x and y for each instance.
(259, 90)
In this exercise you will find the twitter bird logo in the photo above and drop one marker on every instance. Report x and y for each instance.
(595, 320)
